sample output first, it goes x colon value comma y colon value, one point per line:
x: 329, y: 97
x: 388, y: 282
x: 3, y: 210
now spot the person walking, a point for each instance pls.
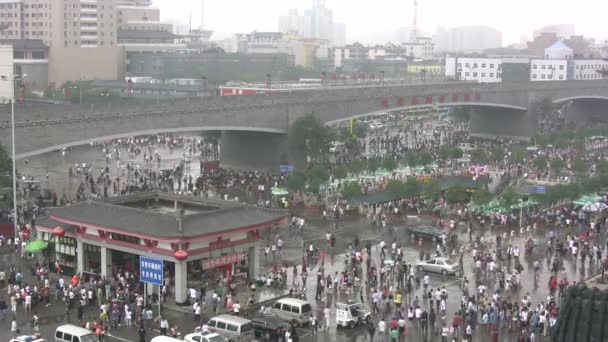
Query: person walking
x: 313, y: 325
x: 14, y: 328
x: 164, y: 325
x: 35, y: 322
x: 326, y: 313
x: 142, y: 333
x: 382, y: 329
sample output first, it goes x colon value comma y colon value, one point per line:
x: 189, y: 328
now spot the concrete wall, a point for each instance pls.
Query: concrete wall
x: 6, y: 70
x: 92, y: 63
x: 501, y: 122
x: 255, y: 150
x: 584, y: 111
x: 37, y: 74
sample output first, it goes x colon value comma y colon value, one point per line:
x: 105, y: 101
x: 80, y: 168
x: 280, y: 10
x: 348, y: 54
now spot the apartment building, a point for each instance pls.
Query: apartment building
x: 482, y: 70
x: 80, y: 35
x: 67, y: 23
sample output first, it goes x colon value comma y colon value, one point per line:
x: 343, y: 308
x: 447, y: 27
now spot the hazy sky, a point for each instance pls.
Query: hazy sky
x: 363, y: 18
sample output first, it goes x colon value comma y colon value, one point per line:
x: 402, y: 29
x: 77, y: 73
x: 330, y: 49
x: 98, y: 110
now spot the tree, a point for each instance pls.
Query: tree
x: 433, y: 189
x: 6, y: 168
x: 509, y: 197
x: 425, y: 158
x: 557, y: 165
x: 309, y: 137
x: 519, y: 154
x: 296, y: 181
x: 356, y: 166
x: 580, y: 167
x: 498, y: 153
x: 351, y: 189
x: 373, y: 164
x: 450, y: 152
x: 602, y: 167
x: 314, y: 185
x: 540, y: 163
x: 396, y: 188
x: 457, y: 194
x: 319, y: 172
x: 340, y: 172
x: 389, y: 164
x: 412, y: 187
x: 411, y: 158
x: 461, y: 113
x: 479, y: 156
x: 482, y: 196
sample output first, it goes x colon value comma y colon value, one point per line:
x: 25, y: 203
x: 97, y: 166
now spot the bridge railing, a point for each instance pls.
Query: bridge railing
x: 49, y: 114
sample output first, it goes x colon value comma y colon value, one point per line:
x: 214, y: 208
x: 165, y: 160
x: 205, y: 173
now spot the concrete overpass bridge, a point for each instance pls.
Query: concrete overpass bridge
x: 254, y: 127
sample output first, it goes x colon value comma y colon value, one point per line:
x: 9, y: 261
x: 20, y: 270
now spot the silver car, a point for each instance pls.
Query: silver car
x: 444, y: 266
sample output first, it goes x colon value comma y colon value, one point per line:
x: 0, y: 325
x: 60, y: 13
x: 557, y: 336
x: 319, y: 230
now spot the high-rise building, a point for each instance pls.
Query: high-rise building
x: 67, y: 23
x: 80, y: 35
x: 468, y: 39
x: 316, y: 22
x: 560, y: 30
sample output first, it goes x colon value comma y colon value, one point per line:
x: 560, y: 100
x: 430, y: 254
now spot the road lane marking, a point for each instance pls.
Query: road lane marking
x: 118, y: 338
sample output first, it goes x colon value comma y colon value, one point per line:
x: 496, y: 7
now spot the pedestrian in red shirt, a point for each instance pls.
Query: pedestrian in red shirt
x: 394, y: 325
x: 456, y: 321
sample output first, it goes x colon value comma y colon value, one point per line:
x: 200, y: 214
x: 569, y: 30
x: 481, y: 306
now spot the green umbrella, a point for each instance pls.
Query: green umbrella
x: 36, y: 246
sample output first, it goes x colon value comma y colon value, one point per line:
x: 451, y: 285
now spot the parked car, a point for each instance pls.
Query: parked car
x: 444, y: 266
x: 293, y: 310
x: 204, y: 337
x: 350, y: 314
x: 425, y: 232
x: 273, y: 327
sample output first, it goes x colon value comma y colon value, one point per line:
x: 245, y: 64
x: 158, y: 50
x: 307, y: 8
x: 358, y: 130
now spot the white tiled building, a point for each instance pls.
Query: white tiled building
x: 548, y: 70
x: 482, y: 70
x: 586, y: 69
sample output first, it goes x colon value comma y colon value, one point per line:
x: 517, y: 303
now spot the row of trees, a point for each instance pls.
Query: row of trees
x: 570, y: 136
x: 573, y: 190
x: 6, y: 168
x: 80, y: 91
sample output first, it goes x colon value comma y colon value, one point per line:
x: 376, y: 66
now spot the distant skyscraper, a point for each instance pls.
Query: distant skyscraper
x: 560, y: 30
x: 467, y: 39
x: 290, y: 22
x: 316, y: 22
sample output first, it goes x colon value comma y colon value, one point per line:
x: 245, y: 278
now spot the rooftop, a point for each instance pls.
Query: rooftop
x: 158, y: 215
x: 25, y: 44
x: 146, y: 34
x: 558, y: 46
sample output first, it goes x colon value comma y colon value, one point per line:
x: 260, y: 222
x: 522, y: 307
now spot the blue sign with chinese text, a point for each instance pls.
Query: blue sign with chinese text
x: 151, y: 271
x: 539, y: 189
x: 286, y: 168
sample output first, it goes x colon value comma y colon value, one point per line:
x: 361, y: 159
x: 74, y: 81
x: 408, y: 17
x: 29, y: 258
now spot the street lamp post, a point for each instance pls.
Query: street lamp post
x: 13, y: 81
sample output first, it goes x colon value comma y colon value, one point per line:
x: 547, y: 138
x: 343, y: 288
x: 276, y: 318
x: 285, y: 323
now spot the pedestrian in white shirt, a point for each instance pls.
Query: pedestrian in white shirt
x: 326, y: 312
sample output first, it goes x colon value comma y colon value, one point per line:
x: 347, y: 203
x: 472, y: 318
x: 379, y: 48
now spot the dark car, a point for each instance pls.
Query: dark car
x: 273, y: 327
x: 425, y: 232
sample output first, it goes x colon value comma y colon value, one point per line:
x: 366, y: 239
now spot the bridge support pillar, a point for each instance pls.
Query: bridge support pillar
x: 491, y: 122
x: 253, y: 150
x: 584, y: 111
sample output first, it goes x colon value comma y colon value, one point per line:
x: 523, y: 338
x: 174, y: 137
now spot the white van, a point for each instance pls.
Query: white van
x: 74, y: 333
x: 233, y: 328
x: 164, y: 339
x: 291, y: 310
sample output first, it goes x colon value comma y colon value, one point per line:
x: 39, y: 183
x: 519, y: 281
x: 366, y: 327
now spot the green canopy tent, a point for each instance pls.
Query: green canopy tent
x: 279, y: 191
x: 587, y: 199
x: 36, y: 246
